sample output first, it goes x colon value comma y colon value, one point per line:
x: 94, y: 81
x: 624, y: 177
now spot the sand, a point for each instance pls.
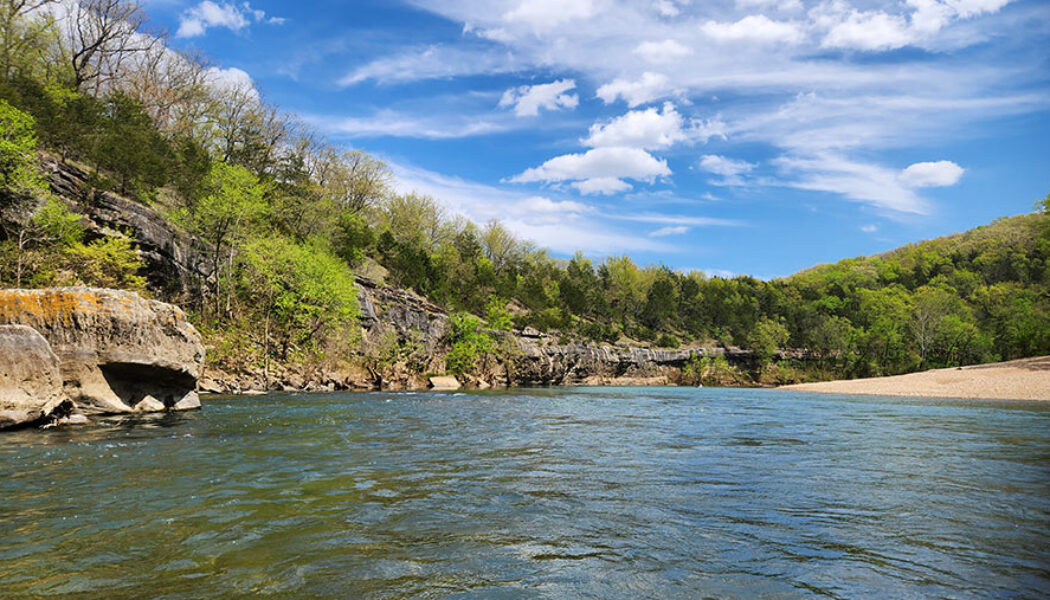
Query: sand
x: 1026, y: 379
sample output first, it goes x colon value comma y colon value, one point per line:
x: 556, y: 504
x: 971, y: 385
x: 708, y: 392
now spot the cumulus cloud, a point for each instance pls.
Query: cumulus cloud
x: 601, y: 185
x: 870, y: 228
x: 755, y: 29
x: 600, y: 170
x: 649, y: 129
x: 932, y: 174
x: 878, y: 30
x: 527, y: 100
x: 651, y: 86
x: 662, y: 52
x: 870, y: 30
x: 196, y: 20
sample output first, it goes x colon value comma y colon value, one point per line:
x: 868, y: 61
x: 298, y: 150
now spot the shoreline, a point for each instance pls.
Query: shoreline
x: 1026, y: 379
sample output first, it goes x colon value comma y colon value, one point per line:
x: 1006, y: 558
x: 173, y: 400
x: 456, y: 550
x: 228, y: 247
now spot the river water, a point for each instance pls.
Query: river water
x: 554, y: 493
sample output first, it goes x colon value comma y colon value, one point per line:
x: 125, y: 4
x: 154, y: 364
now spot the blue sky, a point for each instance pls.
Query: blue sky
x: 746, y: 136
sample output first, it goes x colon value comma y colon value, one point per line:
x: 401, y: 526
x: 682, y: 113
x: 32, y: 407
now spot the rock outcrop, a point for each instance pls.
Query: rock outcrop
x: 30, y: 380
x: 176, y: 262
x: 117, y: 352
x: 581, y: 364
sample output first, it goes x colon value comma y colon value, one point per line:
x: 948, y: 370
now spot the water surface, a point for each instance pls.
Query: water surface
x: 560, y: 493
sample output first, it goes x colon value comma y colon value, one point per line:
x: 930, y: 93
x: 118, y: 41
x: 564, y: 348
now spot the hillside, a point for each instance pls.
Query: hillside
x: 206, y: 196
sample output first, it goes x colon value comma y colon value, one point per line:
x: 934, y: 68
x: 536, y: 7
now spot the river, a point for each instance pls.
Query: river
x: 550, y: 493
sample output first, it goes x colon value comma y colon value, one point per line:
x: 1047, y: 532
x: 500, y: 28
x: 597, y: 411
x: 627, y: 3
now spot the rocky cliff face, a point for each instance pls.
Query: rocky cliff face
x: 117, y: 352
x: 580, y: 364
x: 176, y: 261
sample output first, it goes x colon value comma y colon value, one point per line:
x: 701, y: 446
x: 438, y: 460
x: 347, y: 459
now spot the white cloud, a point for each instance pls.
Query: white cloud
x: 670, y: 230
x: 861, y: 182
x: 601, y: 170
x: 727, y: 167
x: 527, y: 100
x: 871, y: 30
x: 932, y: 174
x: 662, y: 52
x: 602, y: 185
x: 784, y: 5
x: 669, y: 8
x: 758, y: 29
x: 395, y: 124
x: 545, y: 14
x: 869, y: 228
x: 432, y: 62
x: 196, y: 20
x: 232, y: 79
x: 651, y: 86
x: 649, y: 129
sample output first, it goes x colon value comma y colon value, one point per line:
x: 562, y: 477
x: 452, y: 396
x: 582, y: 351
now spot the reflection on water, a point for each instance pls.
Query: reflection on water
x: 572, y: 493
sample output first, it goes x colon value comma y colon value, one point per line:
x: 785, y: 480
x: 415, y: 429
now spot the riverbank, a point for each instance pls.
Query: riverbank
x: 1026, y: 379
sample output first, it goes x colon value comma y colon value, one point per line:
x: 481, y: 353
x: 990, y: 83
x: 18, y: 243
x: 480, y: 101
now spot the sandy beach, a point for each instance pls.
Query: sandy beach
x: 1026, y: 379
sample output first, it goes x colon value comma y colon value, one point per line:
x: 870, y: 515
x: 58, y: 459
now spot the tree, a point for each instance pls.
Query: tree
x: 470, y: 343
x: 931, y: 305
x: 110, y: 262
x: 304, y: 293
x: 766, y: 338
x: 41, y: 238
x: 231, y: 205
x: 20, y: 31
x: 19, y: 168
x: 131, y: 147
x: 101, y: 35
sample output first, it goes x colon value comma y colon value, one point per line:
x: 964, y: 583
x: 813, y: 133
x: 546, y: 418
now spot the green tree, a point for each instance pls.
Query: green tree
x: 305, y: 294
x: 470, y: 343
x: 232, y: 205
x: 766, y: 338
x: 110, y: 262
x: 20, y: 179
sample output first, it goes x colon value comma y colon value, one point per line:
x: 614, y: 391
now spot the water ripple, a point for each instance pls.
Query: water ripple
x: 581, y: 493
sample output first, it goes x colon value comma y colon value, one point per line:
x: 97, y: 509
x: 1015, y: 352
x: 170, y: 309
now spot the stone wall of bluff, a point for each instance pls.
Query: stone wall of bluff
x: 114, y: 351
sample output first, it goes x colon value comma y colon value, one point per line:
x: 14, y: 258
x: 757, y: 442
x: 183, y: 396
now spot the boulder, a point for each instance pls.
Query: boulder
x: 30, y: 380
x: 117, y: 352
x: 445, y: 383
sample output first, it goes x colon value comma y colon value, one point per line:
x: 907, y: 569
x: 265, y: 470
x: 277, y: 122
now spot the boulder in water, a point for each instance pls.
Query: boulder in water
x: 117, y: 352
x: 30, y: 380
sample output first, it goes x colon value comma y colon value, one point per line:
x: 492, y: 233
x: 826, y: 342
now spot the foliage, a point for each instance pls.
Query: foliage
x: 302, y: 292
x: 110, y: 262
x: 766, y: 338
x: 20, y: 178
x: 470, y: 344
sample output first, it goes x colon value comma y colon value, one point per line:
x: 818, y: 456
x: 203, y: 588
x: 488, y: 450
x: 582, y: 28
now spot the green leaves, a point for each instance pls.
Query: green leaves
x: 19, y: 167
x: 470, y: 343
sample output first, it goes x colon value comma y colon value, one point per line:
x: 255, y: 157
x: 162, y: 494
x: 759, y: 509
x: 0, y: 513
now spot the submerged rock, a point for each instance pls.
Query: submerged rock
x: 30, y: 380
x: 117, y: 352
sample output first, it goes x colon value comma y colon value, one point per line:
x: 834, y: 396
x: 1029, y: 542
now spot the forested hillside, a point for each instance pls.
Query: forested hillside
x: 287, y: 218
